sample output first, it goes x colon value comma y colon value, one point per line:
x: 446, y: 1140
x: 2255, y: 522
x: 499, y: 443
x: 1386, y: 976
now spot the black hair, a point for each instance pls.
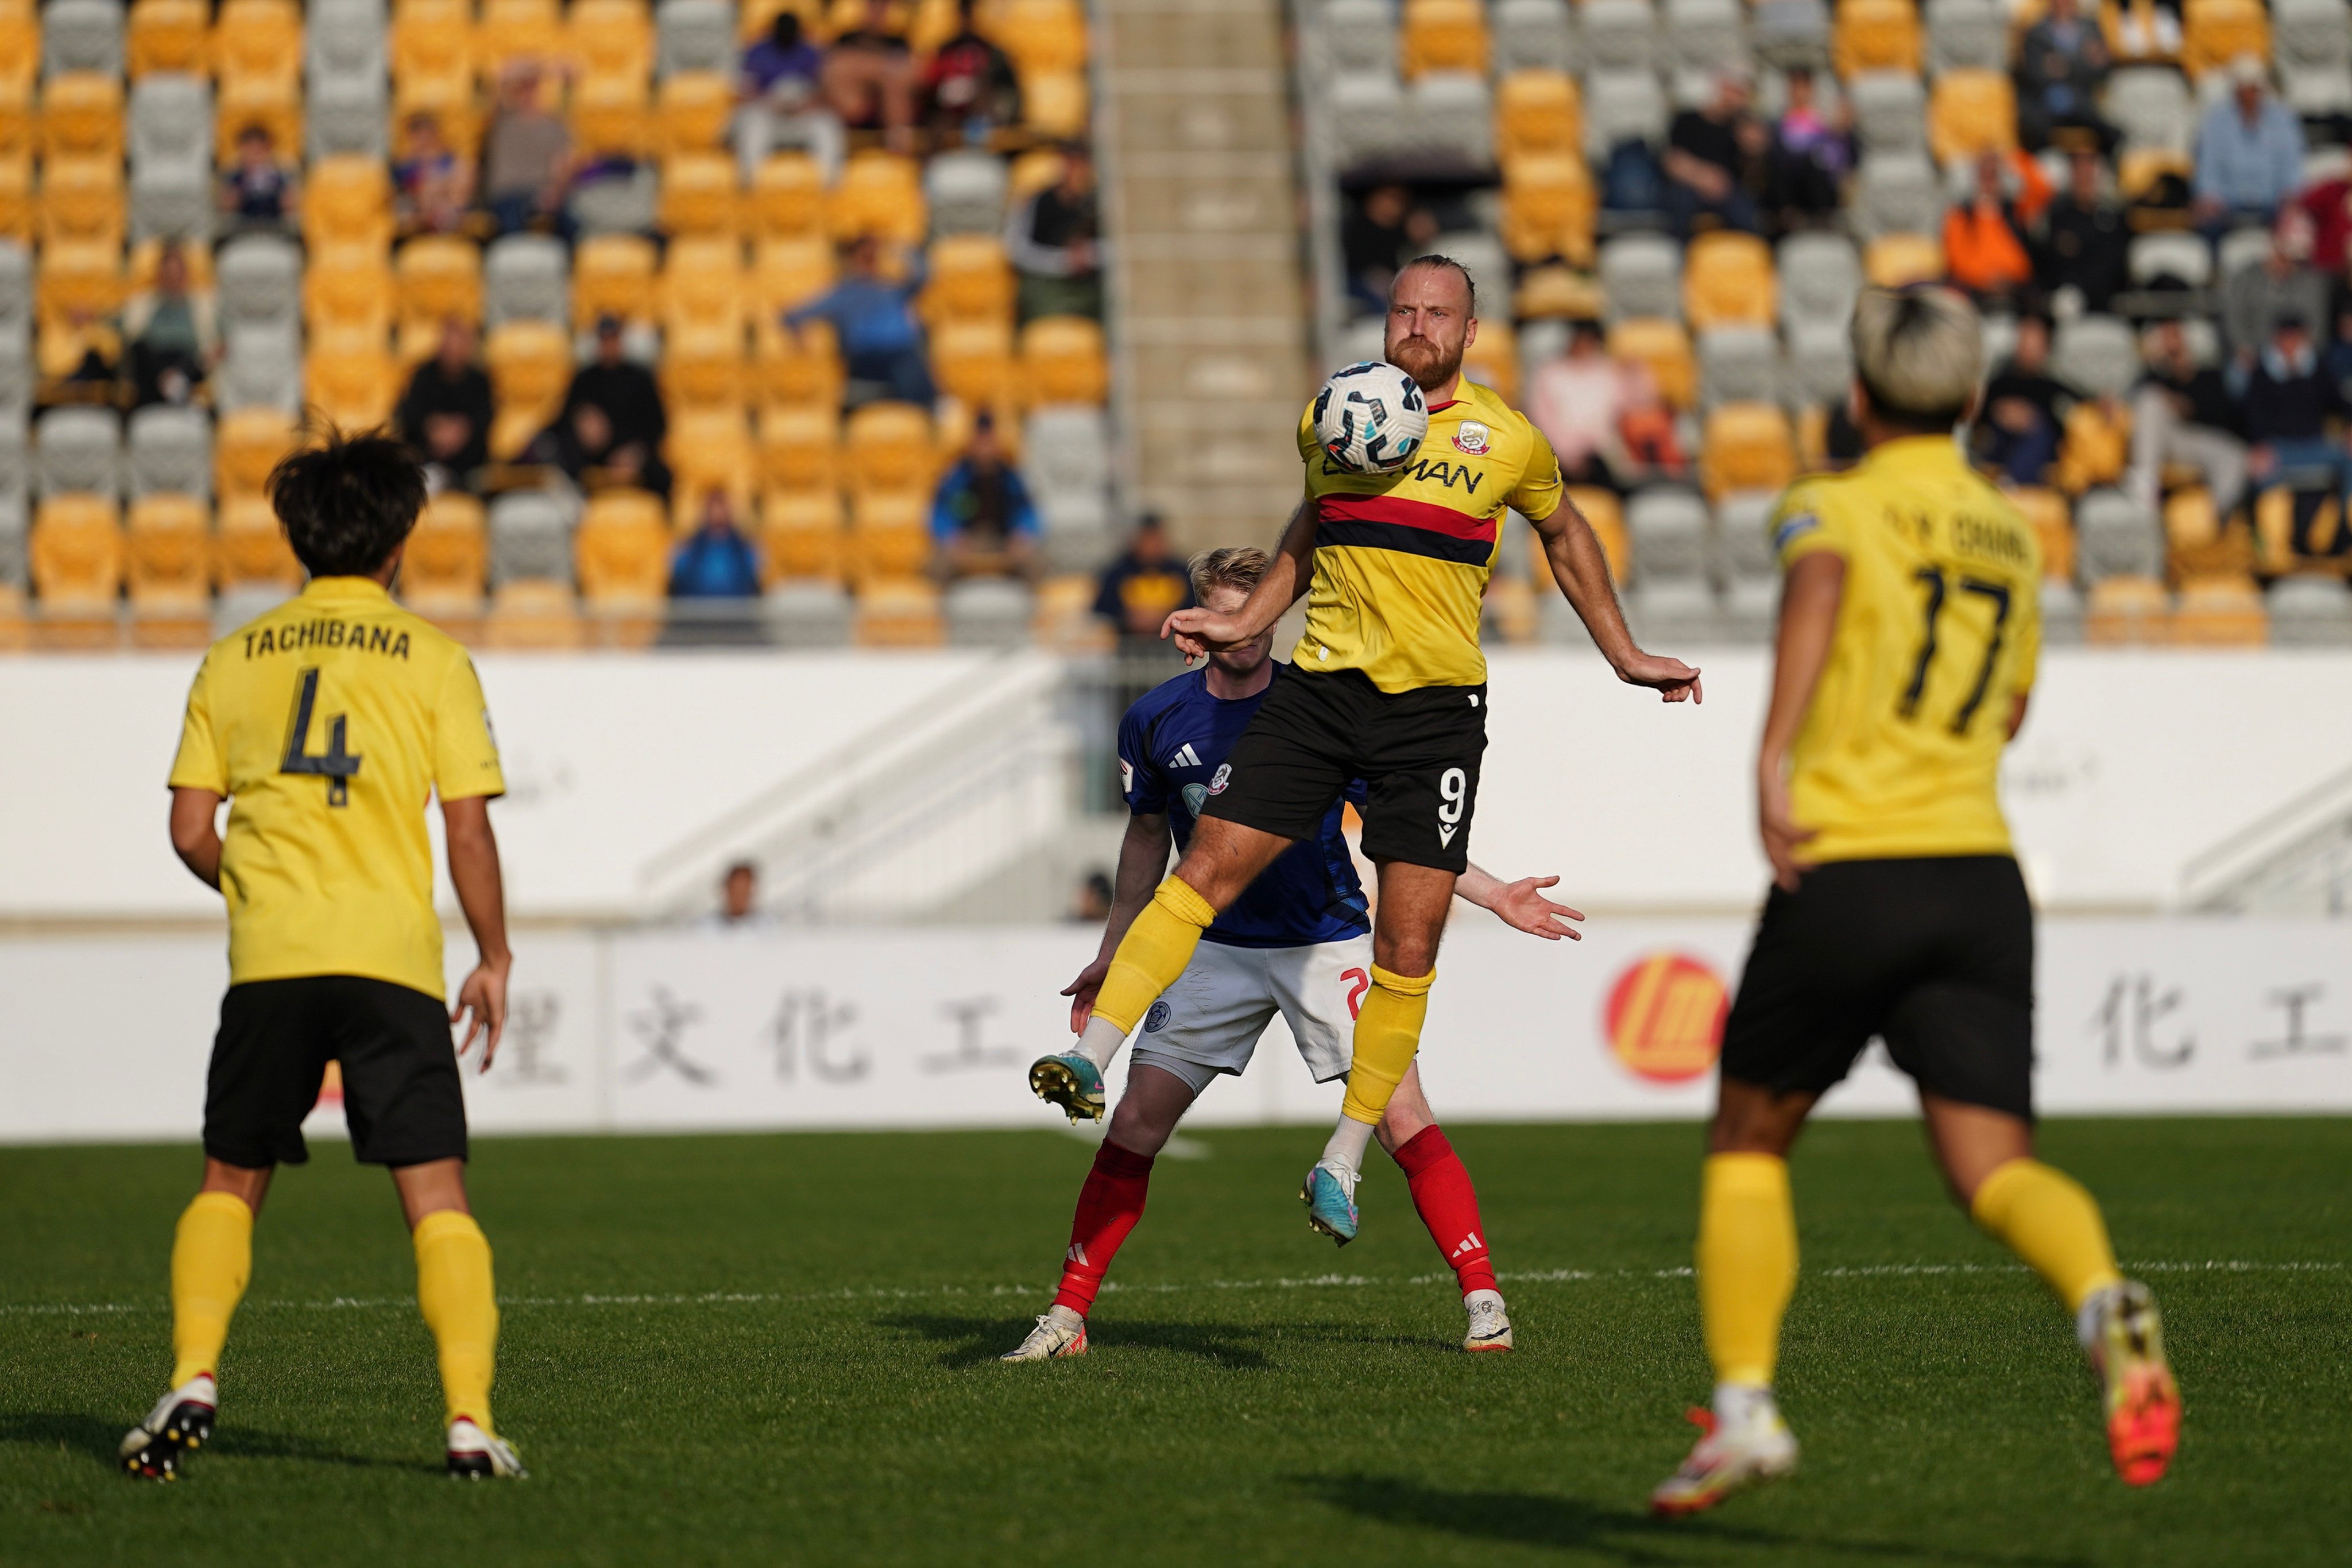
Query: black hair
x: 346, y: 504
x: 784, y: 30
x: 1469, y: 283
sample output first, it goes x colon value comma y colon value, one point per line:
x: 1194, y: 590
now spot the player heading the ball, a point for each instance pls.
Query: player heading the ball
x: 1389, y: 688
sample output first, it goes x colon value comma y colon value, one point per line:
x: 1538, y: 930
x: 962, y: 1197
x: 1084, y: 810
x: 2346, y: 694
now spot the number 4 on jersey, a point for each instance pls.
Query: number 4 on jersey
x: 337, y: 765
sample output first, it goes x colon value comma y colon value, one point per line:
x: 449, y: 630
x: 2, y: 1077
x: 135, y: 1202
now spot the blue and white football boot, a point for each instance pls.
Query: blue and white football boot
x: 1330, y: 1198
x: 1071, y: 1081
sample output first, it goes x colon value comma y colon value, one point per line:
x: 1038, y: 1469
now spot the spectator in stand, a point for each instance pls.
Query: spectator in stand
x: 1090, y: 900
x: 581, y: 443
x: 716, y: 561
x: 526, y: 155
x: 1144, y: 586
x: 625, y: 389
x: 2249, y: 153
x: 739, y: 901
x: 445, y: 416
x: 258, y: 195
x: 431, y: 186
x: 1053, y: 241
x: 1715, y: 160
x: 1812, y: 153
x: 970, y: 89
x: 1375, y: 234
x: 2147, y: 31
x: 982, y: 523
x: 2183, y: 414
x: 874, y: 319
x: 869, y: 78
x: 777, y: 89
x: 172, y: 334
x: 1579, y: 400
x: 2025, y: 408
x: 2283, y: 283
x: 2328, y: 206
x: 2086, y: 239
x: 2294, y: 412
x: 1984, y: 238
x: 2062, y: 63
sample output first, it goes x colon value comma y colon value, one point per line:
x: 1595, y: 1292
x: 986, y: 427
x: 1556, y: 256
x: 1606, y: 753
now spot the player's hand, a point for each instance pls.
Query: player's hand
x: 1202, y: 632
x: 1782, y: 837
x: 1522, y: 905
x: 1083, y: 990
x: 484, y: 995
x: 1673, y: 680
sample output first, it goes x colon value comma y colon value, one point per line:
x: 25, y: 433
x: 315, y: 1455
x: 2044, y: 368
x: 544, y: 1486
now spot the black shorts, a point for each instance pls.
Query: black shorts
x: 1933, y: 954
x: 401, y: 1094
x: 1417, y: 753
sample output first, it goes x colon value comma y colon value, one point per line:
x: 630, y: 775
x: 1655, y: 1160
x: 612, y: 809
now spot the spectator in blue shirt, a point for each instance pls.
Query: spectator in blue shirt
x: 717, y: 562
x: 777, y: 85
x: 874, y: 318
x: 982, y: 523
x: 2249, y: 153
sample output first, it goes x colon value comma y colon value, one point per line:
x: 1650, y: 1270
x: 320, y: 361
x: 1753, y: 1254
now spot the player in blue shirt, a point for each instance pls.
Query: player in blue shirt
x: 1299, y: 942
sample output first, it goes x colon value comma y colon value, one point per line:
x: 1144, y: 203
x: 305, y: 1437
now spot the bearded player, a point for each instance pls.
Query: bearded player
x: 1389, y: 688
x: 1297, y: 943
x: 1910, y: 624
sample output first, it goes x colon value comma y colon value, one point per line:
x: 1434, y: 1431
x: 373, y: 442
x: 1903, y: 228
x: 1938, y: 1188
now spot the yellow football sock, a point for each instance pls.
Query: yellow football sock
x: 1747, y: 1262
x: 212, y: 1258
x: 453, y: 1288
x: 1387, y: 1033
x: 2043, y: 1216
x: 1153, y: 953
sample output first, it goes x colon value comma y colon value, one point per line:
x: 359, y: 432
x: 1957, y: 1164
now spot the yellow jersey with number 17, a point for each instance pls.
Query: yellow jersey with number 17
x: 1402, y: 559
x: 328, y: 723
x: 1937, y: 634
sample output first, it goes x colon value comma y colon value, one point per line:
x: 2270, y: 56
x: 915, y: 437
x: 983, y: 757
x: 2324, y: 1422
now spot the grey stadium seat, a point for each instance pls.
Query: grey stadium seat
x: 1642, y: 275
x: 259, y: 281
x: 16, y: 380
x: 170, y: 452
x: 170, y: 121
x: 1820, y: 274
x: 1963, y: 33
x: 15, y: 459
x: 2241, y: 248
x: 2096, y: 353
x: 1623, y: 106
x: 78, y: 449
x: 1533, y: 35
x: 15, y: 285
x: 1356, y: 36
x: 2062, y: 614
x: 2115, y: 538
x: 807, y: 615
x: 171, y: 200
x: 1484, y: 257
x: 1067, y: 459
x: 1738, y: 364
x: 526, y: 278
x: 82, y: 35
x: 1744, y: 562
x: 1897, y: 192
x: 345, y: 41
x: 2150, y: 105
x: 2310, y: 612
x: 347, y: 115
x: 1672, y: 596
x: 694, y: 36
x: 1890, y: 111
x: 13, y: 541
x: 261, y: 367
x: 1453, y: 116
x: 1366, y: 112
x: 1703, y: 36
x: 1620, y: 35
x: 529, y: 538
x: 2311, y: 44
x: 988, y: 612
x: 966, y: 193
x: 1820, y: 366
x: 619, y: 203
x: 2177, y: 254
x: 1791, y: 35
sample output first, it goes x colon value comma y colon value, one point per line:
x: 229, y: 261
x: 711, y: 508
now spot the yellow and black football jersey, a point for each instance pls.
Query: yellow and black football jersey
x: 328, y: 723
x: 1938, y: 633
x: 1401, y: 559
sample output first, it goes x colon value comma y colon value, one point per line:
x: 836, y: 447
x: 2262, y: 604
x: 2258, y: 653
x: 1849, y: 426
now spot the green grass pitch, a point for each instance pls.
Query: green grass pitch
x: 781, y: 1349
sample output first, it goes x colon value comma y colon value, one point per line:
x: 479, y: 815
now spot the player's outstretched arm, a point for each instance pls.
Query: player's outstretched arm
x: 481, y: 893
x: 1199, y: 630
x: 1808, y: 610
x: 1521, y: 904
x: 1582, y: 570
x: 1142, y: 863
x: 194, y: 836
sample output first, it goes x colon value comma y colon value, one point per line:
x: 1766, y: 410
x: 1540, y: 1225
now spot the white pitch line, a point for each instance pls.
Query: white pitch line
x: 1306, y: 1283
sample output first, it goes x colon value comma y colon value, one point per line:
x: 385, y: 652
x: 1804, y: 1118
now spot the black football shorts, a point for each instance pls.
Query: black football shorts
x: 1417, y: 753
x: 1933, y: 954
x: 401, y: 1094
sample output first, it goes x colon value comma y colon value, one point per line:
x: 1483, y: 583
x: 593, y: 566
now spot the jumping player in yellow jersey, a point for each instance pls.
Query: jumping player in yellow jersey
x: 327, y: 724
x: 1389, y: 687
x: 1909, y: 628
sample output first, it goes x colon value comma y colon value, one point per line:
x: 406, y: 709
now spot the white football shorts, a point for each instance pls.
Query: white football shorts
x: 1208, y: 1021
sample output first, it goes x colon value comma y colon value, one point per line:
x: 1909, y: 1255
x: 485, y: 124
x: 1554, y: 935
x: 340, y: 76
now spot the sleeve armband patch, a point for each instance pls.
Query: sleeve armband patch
x: 1792, y: 529
x: 1126, y: 777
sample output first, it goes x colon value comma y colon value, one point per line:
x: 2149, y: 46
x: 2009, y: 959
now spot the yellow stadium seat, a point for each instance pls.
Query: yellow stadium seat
x: 1896, y: 261
x: 273, y: 103
x: 788, y: 197
x: 612, y: 38
x: 702, y: 283
x: 620, y: 551
x: 1062, y: 360
x: 1665, y: 349
x: 972, y: 360
x: 691, y: 110
x: 970, y: 280
x: 17, y: 197
x: 801, y: 536
x: 709, y: 448
x: 76, y: 553
x: 246, y: 445
x: 258, y: 40
x: 2215, y: 32
x: 1971, y: 111
x: 436, y: 277
x: 704, y: 362
x: 611, y: 117
x: 169, y: 574
x: 1728, y: 281
x: 448, y: 102
x: 78, y: 280
x: 530, y: 364
x: 1876, y: 35
x: 531, y: 615
x: 889, y: 446
x: 448, y: 561
x: 899, y: 612
x: 613, y: 275
x: 432, y: 38
x: 1041, y: 34
x: 2092, y: 448
x: 1549, y: 208
x: 1747, y: 447
x: 1031, y: 172
x: 698, y: 193
x: 2137, y: 168
x: 799, y: 367
x: 2054, y: 525
x: 1607, y: 515
x: 509, y: 31
x: 250, y: 550
x: 2221, y: 610
x: 81, y: 111
x: 880, y: 194
x: 168, y: 36
x: 1443, y: 36
x: 799, y: 446
x: 889, y: 534
x: 1493, y: 359
x: 790, y: 271
x: 1054, y: 104
x: 82, y: 198
x: 351, y: 376
x: 753, y: 17
x: 2128, y: 612
x: 347, y: 199
x: 349, y: 287
x: 20, y: 43
x: 1065, y: 621
x: 17, y: 122
x: 1539, y: 111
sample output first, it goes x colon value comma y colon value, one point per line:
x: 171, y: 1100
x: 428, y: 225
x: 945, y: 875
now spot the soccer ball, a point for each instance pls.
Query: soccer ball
x: 1369, y: 418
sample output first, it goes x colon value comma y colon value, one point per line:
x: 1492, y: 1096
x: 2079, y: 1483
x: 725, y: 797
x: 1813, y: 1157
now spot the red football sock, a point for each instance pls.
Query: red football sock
x: 1109, y: 1206
x: 1449, y: 1206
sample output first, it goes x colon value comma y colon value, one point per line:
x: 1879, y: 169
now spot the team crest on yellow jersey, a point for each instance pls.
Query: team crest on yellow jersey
x: 1471, y: 438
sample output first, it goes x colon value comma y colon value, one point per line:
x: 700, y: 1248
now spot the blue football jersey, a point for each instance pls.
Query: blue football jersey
x: 1170, y: 744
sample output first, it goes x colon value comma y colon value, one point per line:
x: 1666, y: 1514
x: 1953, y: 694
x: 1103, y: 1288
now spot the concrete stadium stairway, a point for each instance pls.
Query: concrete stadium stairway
x: 1201, y: 195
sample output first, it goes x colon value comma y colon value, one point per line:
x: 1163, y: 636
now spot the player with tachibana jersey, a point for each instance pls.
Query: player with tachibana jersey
x: 328, y: 725
x: 1389, y: 688
x: 1909, y: 630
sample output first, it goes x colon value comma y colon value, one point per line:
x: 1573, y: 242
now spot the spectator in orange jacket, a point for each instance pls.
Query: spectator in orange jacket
x: 1984, y: 239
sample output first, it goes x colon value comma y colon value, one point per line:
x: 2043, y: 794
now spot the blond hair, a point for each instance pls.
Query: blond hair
x: 1234, y: 566
x: 1918, y: 354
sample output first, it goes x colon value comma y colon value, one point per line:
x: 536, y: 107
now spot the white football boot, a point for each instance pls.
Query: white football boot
x: 1490, y: 1325
x: 1734, y: 1454
x: 180, y: 1423
x: 1059, y: 1332
x: 474, y: 1453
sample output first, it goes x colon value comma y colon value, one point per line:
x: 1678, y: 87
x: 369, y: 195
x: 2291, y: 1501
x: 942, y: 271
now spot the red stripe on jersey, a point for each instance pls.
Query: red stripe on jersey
x: 1409, y: 514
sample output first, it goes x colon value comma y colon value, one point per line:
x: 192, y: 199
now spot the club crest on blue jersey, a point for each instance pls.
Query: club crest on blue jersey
x: 1195, y: 796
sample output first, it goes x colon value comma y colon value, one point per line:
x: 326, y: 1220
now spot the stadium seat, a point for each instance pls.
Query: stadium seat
x: 448, y: 561
x: 246, y: 445
x: 2312, y: 44
x: 75, y: 556
x: 988, y: 612
x: 888, y: 446
x: 2096, y: 353
x: 1971, y: 111
x: 167, y: 35
x: 1877, y: 35
x: 437, y: 277
x: 968, y: 280
x: 2152, y: 107
x: 1533, y: 35
x: 529, y: 537
x: 789, y: 271
x: 1606, y: 514
x: 801, y: 536
x: 1454, y: 115
x: 249, y: 550
x: 611, y: 118
x: 168, y: 561
x: 349, y: 376
x: 82, y: 113
x: 1054, y: 104
x: 1819, y: 275
x: 889, y: 534
x: 2299, y: 532
x: 1665, y: 349
x: 258, y: 280
x: 350, y: 288
x: 432, y: 41
x: 19, y: 122
x: 1704, y: 36
x: 965, y: 190
x: 1791, y: 35
x: 880, y: 194
x: 620, y: 551
x: 1738, y: 364
x: 529, y: 362
x: 899, y: 612
x: 698, y: 35
x: 1668, y: 530
x: 1890, y: 111
x: 1898, y: 261
x: 794, y: 367
x: 347, y: 199
x: 1492, y: 360
x: 81, y: 36
x: 533, y: 615
x: 2128, y: 612
x: 1966, y: 35
x: 1620, y: 35
x: 83, y: 199
x: 788, y: 197
x: 347, y: 117
x: 169, y: 450
x: 972, y: 358
x: 2052, y: 521
x: 613, y: 275
x: 2310, y: 609
x: 2215, y: 32
x: 1549, y: 208
x: 1357, y: 35
x: 1063, y: 361
x: 273, y: 105
x: 526, y: 278
x: 78, y: 449
x: 1538, y: 112
x: 1746, y: 446
x: 799, y: 445
x: 702, y: 284
x: 16, y: 198
x: 698, y: 193
x: 710, y: 448
x: 258, y: 40
x: 1641, y: 276
x: 2222, y: 610
x: 509, y: 31
x: 691, y: 110
x: 20, y: 44
x: 1728, y: 281
x: 612, y: 39
x: 1441, y: 35
x: 1041, y: 34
